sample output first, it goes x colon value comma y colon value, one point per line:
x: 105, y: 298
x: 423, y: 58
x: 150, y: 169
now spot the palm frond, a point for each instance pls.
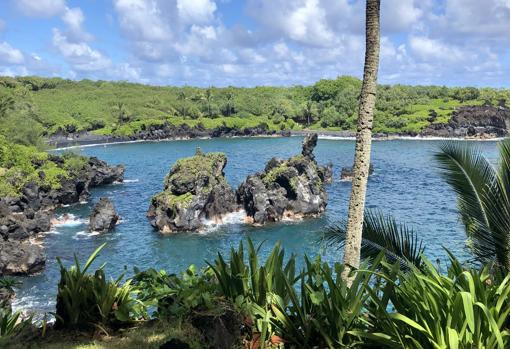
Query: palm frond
x: 482, y: 200
x: 381, y: 233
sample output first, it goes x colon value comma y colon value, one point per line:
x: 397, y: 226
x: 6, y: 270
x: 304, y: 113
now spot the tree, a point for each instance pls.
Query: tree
x: 7, y: 104
x: 363, y: 141
x: 208, y: 98
x: 229, y: 104
x: 121, y: 113
x: 182, y: 107
x: 309, y: 111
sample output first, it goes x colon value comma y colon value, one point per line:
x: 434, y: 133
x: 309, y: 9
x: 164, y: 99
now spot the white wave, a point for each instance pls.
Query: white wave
x: 84, y: 202
x: 131, y: 180
x: 229, y: 218
x: 52, y: 232
x: 68, y: 220
x: 82, y: 235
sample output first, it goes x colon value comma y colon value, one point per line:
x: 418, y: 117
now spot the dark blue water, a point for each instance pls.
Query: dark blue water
x: 406, y: 184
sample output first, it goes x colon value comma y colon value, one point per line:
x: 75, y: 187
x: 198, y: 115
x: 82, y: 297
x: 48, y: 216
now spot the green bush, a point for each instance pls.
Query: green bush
x: 87, y: 300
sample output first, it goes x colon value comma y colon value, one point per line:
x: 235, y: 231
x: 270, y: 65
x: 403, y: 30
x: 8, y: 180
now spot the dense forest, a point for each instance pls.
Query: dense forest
x: 31, y: 107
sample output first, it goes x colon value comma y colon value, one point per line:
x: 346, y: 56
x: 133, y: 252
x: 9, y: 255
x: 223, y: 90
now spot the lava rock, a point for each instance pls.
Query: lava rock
x: 286, y: 189
x: 20, y: 257
x: 485, y: 121
x: 195, y: 190
x: 103, y: 217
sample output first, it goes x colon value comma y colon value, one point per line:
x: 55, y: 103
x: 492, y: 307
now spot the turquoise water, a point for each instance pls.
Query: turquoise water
x: 406, y: 183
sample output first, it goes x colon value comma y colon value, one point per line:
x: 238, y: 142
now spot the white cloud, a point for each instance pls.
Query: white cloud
x: 196, y: 11
x: 10, y: 55
x: 142, y: 19
x: 434, y: 50
x: 41, y: 8
x: 74, y: 18
x: 80, y: 55
x: 400, y: 15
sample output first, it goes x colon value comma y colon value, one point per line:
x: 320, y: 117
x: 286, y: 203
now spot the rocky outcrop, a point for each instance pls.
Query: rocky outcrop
x: 195, y: 190
x: 103, y: 216
x: 484, y: 121
x: 347, y: 173
x: 292, y: 188
x: 23, y: 217
x: 20, y: 257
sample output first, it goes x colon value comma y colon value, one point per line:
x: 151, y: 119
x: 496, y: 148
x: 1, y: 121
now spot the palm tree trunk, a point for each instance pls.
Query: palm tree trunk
x: 363, y: 142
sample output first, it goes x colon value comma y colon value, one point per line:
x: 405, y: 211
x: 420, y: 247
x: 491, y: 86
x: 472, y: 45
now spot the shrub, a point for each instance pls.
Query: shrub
x: 86, y: 300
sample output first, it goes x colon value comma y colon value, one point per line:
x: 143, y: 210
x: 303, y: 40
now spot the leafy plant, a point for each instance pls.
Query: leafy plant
x: 483, y: 194
x: 382, y: 234
x: 467, y: 308
x: 11, y: 323
x: 85, y: 300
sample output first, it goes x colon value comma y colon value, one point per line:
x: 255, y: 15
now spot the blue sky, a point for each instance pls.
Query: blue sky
x: 254, y: 42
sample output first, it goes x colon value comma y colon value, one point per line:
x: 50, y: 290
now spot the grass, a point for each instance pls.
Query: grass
x: 150, y: 335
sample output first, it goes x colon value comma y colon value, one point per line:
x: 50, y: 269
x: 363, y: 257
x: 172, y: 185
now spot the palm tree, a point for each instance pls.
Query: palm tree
x: 6, y: 104
x: 230, y: 102
x: 363, y: 142
x: 208, y: 98
x: 483, y: 193
x: 309, y: 111
x: 382, y: 233
x: 120, y: 111
x: 181, y: 97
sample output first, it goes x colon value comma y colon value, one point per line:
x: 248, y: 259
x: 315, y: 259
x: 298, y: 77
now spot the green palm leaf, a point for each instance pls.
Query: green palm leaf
x: 482, y: 193
x: 381, y: 233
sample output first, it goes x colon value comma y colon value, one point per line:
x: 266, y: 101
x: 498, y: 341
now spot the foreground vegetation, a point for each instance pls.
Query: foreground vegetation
x: 245, y: 300
x: 33, y: 106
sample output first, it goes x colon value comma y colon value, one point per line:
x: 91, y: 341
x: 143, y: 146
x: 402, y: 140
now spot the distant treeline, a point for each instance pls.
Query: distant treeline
x: 31, y: 107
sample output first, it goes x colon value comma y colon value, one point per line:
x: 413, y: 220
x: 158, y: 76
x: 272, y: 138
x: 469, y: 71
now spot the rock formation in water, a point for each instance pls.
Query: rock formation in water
x: 23, y: 217
x: 347, y: 173
x: 292, y: 188
x: 103, y: 216
x: 195, y: 190
x: 484, y: 121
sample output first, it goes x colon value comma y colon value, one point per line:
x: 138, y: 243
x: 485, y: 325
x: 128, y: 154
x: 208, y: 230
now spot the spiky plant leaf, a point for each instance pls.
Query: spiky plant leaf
x: 381, y: 233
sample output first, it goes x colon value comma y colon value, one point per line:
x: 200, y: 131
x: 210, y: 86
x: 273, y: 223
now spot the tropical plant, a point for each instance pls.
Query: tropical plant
x: 174, y: 295
x: 6, y: 105
x: 11, y: 323
x: 363, y: 141
x: 483, y: 194
x: 86, y: 300
x: 382, y: 233
x: 325, y: 311
x: 9, y: 284
x: 467, y: 308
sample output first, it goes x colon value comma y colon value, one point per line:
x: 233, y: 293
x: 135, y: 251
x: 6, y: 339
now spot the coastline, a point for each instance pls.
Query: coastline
x: 91, y: 140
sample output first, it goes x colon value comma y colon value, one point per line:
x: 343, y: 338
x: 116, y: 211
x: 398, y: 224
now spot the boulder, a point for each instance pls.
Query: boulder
x: 347, y: 173
x: 292, y: 188
x: 103, y: 216
x: 195, y: 190
x: 20, y: 257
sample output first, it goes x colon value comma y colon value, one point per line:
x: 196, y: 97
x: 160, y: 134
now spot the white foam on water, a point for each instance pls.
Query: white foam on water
x: 68, y: 220
x: 230, y: 218
x: 83, y: 235
x: 131, y: 180
x: 52, y: 232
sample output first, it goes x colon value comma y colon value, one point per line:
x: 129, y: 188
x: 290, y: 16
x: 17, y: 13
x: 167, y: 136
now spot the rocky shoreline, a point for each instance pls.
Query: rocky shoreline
x: 471, y: 123
x: 23, y: 218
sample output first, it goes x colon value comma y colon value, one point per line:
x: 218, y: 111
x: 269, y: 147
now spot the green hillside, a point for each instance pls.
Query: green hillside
x: 34, y: 106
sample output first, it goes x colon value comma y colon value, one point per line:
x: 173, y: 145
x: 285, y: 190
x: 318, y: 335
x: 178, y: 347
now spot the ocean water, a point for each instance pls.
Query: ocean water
x: 406, y: 183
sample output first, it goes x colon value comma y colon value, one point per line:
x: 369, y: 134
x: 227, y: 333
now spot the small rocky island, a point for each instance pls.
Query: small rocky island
x: 286, y: 189
x: 196, y: 190
x: 103, y: 217
x: 23, y: 217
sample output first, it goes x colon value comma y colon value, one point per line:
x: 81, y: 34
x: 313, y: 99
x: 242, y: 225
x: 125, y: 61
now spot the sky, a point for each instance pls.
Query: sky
x: 255, y: 42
